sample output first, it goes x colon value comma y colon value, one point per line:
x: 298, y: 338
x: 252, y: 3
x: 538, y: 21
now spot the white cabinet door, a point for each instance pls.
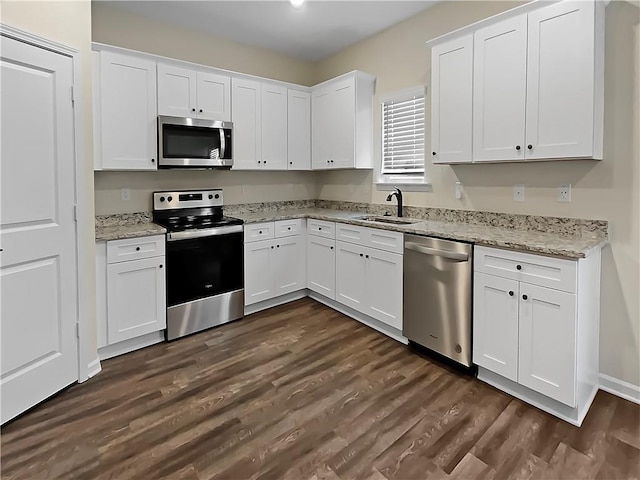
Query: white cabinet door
x: 499, y: 90
x: 246, y: 108
x: 258, y: 274
x: 547, y: 342
x: 321, y: 265
x: 136, y: 302
x: 495, y: 324
x: 274, y: 127
x: 289, y: 265
x: 451, y: 101
x: 213, y: 96
x: 384, y: 286
x: 128, y: 108
x: 351, y: 276
x: 299, y: 130
x: 342, y: 120
x: 560, y: 81
x: 176, y: 91
x: 321, y: 129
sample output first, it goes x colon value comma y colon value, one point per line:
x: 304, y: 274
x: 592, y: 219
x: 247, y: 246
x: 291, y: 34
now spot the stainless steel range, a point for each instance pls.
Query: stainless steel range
x: 205, y: 260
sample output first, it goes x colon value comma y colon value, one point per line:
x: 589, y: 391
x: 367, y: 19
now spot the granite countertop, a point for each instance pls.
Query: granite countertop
x: 569, y: 240
x: 554, y: 244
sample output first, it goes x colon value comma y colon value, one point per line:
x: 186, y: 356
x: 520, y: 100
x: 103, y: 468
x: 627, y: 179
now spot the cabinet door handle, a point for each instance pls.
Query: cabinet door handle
x: 524, y: 297
x: 518, y: 147
x: 518, y: 267
x: 511, y: 293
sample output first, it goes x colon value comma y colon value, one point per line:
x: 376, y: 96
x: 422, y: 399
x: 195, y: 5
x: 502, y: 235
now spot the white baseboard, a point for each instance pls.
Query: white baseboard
x: 620, y: 388
x: 130, y: 345
x: 94, y: 368
x: 274, y: 302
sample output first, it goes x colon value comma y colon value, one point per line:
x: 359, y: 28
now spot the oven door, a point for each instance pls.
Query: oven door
x: 204, y: 266
x: 192, y: 142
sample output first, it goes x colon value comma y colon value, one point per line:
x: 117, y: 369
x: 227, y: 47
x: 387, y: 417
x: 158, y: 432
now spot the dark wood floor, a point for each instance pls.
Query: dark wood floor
x: 302, y: 392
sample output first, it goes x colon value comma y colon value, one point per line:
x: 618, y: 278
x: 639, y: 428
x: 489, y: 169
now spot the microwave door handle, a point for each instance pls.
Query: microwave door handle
x: 222, y: 143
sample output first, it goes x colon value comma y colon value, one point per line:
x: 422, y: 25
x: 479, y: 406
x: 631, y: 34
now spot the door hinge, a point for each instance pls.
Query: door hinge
x: 75, y: 213
x: 77, y: 330
x: 73, y: 98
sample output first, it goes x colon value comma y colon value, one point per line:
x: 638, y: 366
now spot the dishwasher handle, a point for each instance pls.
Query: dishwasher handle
x: 463, y: 257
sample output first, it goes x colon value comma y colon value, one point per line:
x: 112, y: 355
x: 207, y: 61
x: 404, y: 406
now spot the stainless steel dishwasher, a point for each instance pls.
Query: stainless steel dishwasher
x: 437, y: 295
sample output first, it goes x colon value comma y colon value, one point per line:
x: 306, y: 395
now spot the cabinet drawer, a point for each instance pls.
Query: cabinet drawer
x: 557, y: 273
x: 321, y: 228
x: 384, y: 240
x: 258, y: 231
x: 350, y: 233
x: 135, y: 248
x: 287, y: 228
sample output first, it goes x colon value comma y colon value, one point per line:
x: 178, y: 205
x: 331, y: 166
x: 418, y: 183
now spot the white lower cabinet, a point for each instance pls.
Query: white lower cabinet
x: 351, y: 274
x: 542, y: 342
x: 131, y: 293
x: 321, y: 265
x: 274, y: 266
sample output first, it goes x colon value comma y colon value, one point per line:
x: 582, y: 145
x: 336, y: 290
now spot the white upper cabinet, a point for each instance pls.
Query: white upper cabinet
x: 274, y: 127
x: 564, y: 86
x: 538, y: 78
x: 451, y: 100
x: 184, y: 92
x: 127, y: 112
x: 299, y: 130
x: 247, y: 123
x: 342, y: 122
x: 499, y: 90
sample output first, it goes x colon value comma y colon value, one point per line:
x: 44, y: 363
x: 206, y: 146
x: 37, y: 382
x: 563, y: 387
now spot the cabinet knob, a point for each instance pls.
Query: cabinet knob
x: 193, y: 109
x: 331, y: 248
x: 160, y: 266
x: 319, y: 228
x: 518, y: 147
x: 288, y: 228
x: 524, y: 297
x: 260, y: 232
x: 362, y: 254
x: 290, y: 163
x: 511, y: 293
x: 366, y: 256
x: 200, y: 110
x: 278, y: 246
x: 259, y: 161
x: 153, y: 160
x: 264, y: 161
x: 433, y: 153
x: 271, y: 247
x: 137, y: 249
x: 530, y: 147
x: 518, y: 267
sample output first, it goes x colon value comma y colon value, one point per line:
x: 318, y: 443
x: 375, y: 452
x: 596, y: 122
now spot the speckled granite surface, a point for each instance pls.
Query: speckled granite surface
x: 565, y: 237
x: 126, y: 225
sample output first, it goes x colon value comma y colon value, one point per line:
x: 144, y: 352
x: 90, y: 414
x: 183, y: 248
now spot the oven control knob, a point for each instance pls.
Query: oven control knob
x: 217, y: 196
x: 169, y: 199
x: 162, y: 199
x: 210, y: 196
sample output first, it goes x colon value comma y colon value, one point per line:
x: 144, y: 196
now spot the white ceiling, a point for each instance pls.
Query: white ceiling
x: 317, y: 30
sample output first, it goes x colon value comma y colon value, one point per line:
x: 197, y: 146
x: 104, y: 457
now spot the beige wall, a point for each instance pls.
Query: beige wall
x: 69, y: 23
x: 128, y: 30
x: 607, y: 189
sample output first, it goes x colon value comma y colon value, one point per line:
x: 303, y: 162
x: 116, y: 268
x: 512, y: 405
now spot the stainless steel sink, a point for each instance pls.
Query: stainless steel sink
x: 394, y: 221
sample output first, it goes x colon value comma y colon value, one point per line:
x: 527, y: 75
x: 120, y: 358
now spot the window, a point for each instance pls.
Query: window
x: 403, y: 136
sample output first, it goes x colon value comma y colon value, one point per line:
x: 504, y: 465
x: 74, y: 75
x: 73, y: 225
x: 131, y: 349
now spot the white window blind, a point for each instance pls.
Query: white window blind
x: 403, y: 134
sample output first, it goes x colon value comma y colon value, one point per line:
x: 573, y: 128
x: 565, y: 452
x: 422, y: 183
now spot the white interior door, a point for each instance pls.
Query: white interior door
x: 37, y: 229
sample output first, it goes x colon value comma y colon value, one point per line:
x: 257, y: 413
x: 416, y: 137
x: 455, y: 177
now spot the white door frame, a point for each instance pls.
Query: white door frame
x: 88, y: 362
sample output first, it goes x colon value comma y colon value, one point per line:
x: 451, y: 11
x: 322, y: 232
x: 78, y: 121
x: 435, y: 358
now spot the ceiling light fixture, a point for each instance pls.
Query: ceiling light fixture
x: 297, y: 3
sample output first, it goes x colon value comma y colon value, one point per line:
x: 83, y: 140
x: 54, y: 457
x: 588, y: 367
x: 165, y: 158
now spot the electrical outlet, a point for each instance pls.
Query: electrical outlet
x: 518, y: 193
x: 459, y: 190
x: 564, y: 192
x: 125, y: 194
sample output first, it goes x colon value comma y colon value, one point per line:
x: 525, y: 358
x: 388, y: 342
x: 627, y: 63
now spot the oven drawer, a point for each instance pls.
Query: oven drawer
x: 135, y: 248
x: 258, y: 231
x: 288, y: 228
x: 321, y: 228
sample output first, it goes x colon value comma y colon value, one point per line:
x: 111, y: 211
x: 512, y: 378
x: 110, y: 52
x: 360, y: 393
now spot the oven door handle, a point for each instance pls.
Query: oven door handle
x: 204, y: 232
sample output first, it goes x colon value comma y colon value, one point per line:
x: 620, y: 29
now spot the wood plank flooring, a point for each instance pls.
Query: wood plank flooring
x: 302, y: 392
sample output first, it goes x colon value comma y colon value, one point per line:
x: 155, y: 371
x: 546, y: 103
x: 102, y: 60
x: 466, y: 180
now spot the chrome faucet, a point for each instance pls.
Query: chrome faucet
x: 398, y: 195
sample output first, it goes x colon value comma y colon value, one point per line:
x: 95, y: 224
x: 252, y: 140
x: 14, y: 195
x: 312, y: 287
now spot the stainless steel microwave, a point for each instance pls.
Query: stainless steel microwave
x: 194, y: 143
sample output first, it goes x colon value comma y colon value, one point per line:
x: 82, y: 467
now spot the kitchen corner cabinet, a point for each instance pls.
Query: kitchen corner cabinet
x: 126, y: 112
x: 183, y: 92
x: 274, y: 259
x: 537, y: 86
x: 131, y: 292
x: 342, y: 122
x: 299, y: 130
x: 536, y: 326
